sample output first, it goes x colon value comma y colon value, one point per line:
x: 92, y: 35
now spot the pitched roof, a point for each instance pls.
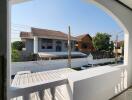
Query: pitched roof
x: 119, y: 43
x: 50, y: 34
x: 26, y: 35
x: 82, y: 36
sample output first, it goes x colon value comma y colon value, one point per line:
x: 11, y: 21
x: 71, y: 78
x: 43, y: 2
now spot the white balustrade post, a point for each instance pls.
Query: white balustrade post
x: 26, y: 97
x: 41, y: 94
x: 52, y: 90
x: 35, y: 47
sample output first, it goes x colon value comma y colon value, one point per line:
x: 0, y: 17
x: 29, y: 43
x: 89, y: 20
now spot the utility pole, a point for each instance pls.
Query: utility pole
x: 116, y: 49
x: 69, y: 47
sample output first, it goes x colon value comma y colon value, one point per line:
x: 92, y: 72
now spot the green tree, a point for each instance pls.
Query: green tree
x: 18, y: 45
x: 111, y: 46
x: 15, y: 55
x: 102, y: 42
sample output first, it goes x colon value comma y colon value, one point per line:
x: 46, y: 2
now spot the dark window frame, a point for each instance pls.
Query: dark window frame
x: 46, y: 43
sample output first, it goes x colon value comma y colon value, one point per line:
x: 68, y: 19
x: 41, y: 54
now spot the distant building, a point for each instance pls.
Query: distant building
x: 84, y: 43
x: 48, y: 43
x: 119, y: 46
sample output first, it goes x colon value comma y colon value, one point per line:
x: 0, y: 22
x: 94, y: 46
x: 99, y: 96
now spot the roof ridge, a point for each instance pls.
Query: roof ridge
x: 83, y: 35
x: 48, y: 33
x: 47, y: 30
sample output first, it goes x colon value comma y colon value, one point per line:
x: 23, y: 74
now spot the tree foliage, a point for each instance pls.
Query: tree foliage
x: 102, y: 42
x: 18, y: 45
x: 16, y: 50
x: 15, y: 55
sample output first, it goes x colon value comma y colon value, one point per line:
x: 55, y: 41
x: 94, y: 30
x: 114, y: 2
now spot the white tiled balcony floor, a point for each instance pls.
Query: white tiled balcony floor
x: 27, y: 80
x: 127, y: 95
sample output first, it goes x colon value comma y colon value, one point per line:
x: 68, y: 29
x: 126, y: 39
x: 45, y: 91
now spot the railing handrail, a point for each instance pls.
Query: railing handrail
x: 16, y: 91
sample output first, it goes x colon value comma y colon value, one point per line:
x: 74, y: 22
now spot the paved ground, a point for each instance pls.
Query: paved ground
x: 127, y: 95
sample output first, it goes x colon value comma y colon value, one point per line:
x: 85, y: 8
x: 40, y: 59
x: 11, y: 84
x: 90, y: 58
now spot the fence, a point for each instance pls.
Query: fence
x: 43, y: 65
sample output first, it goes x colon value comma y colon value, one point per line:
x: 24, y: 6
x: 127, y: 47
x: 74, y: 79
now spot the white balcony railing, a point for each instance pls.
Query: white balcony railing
x: 83, y: 84
x: 47, y: 85
x: 39, y: 90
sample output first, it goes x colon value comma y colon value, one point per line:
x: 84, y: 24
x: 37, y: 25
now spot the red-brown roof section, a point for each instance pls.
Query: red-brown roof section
x: 82, y: 36
x: 26, y: 34
x: 45, y: 33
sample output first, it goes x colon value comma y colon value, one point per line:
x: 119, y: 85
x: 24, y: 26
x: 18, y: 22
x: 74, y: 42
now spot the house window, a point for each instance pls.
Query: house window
x: 49, y: 47
x: 58, y: 42
x: 84, y: 45
x: 43, y: 47
x: 58, y: 48
x: 46, y: 44
x: 58, y: 45
x: 66, y: 45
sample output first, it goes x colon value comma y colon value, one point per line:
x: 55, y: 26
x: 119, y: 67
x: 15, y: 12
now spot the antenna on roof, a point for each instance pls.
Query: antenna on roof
x: 69, y: 47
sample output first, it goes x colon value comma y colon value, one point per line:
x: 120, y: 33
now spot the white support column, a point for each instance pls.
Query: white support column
x: 35, y: 47
x: 4, y: 48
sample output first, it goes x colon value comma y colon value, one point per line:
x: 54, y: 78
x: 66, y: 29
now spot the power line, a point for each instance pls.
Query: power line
x: 16, y: 30
x: 20, y: 25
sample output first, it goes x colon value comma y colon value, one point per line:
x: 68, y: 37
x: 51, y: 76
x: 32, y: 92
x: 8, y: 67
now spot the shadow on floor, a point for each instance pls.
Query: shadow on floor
x: 127, y: 95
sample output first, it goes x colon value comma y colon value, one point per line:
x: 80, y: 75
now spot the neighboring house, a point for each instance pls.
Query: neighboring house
x: 48, y: 40
x: 119, y: 48
x: 84, y: 43
x: 45, y: 41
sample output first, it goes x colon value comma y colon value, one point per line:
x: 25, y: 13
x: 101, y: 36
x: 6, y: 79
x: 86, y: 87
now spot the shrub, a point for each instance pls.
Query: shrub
x: 18, y: 45
x: 15, y: 55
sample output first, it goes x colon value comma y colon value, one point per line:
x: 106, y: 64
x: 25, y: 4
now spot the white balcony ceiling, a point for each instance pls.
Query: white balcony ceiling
x: 127, y: 2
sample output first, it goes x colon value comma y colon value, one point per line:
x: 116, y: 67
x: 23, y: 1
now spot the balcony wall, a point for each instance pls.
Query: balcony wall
x: 100, y: 83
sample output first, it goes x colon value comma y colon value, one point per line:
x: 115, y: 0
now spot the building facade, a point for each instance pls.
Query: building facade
x: 46, y: 40
x: 119, y: 48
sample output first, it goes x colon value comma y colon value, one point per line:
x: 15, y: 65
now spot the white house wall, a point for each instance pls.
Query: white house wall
x: 64, y: 49
x: 37, y: 66
x: 29, y: 45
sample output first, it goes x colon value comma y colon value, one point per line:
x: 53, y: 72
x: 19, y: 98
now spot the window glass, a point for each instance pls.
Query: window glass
x: 58, y: 42
x: 46, y: 44
x: 84, y: 45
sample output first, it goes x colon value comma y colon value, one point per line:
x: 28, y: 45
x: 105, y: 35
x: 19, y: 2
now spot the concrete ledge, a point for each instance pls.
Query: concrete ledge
x: 95, y: 83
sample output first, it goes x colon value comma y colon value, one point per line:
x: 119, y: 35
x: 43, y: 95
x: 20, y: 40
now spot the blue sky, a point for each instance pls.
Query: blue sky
x: 83, y: 17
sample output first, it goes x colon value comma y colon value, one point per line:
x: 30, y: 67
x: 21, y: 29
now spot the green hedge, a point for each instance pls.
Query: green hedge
x: 15, y: 55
